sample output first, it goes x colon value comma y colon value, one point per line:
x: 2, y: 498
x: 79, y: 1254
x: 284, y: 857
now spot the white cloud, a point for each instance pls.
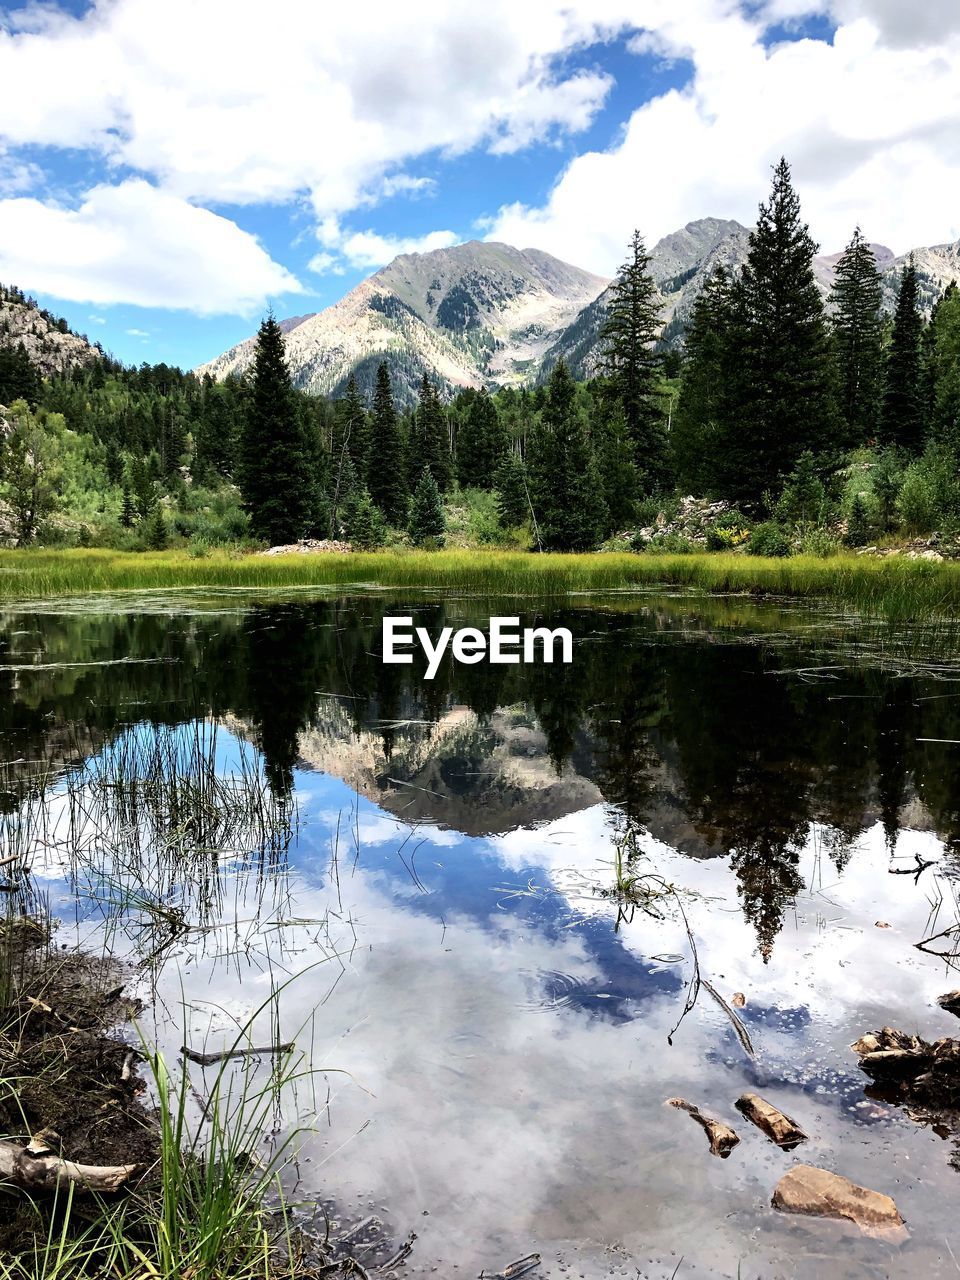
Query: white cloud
x: 17, y: 175
x: 137, y: 333
x: 133, y: 243
x: 218, y: 104
x: 870, y: 123
x: 367, y: 250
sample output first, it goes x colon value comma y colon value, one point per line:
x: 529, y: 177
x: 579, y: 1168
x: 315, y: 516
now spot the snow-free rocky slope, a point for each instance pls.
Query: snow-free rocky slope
x: 477, y: 314
x: 486, y: 314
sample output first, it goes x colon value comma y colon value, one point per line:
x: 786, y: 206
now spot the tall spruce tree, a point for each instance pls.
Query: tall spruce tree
x: 568, y: 499
x: 631, y: 363
x: 482, y: 443
x: 942, y: 369
x: 902, y: 416
x: 703, y: 387
x: 387, y: 473
x: 429, y: 440
x: 780, y: 372
x: 351, y: 430
x: 858, y: 335
x: 512, y: 485
x: 275, y: 481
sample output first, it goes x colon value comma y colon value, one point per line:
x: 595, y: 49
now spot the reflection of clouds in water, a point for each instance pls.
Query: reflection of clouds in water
x: 518, y: 1128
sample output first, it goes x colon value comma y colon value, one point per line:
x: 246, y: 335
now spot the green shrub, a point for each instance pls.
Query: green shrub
x: 858, y: 522
x: 670, y: 544
x: 819, y: 542
x: 769, y: 539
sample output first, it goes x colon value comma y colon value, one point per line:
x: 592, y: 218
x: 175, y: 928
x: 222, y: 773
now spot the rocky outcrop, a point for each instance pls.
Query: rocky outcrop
x: 50, y: 345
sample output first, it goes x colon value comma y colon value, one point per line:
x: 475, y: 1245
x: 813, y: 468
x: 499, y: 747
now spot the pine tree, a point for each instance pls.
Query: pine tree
x: 144, y: 488
x: 858, y: 522
x: 364, y: 525
x: 613, y: 451
x: 780, y: 371
x: 482, y: 443
x: 387, y: 478
x: 631, y: 363
x: 512, y: 485
x: 568, y: 498
x: 155, y: 533
x: 942, y: 369
x: 351, y: 432
x: 858, y: 334
x: 902, y: 418
x: 429, y: 440
x: 703, y: 386
x: 275, y: 479
x: 128, y: 512
x: 427, y: 521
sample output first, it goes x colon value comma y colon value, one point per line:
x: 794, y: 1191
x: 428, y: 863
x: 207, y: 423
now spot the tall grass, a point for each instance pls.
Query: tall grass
x: 893, y: 587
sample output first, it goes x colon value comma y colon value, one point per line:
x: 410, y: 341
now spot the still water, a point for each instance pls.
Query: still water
x: 482, y: 899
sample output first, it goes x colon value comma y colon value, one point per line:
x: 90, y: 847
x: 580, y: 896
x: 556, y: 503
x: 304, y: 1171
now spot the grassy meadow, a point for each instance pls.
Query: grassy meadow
x: 894, y: 587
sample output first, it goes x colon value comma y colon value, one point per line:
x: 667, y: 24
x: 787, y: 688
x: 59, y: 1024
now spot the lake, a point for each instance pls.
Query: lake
x: 478, y: 904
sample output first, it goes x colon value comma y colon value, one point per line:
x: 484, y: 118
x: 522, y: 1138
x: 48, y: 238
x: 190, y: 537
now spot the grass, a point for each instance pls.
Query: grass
x: 893, y: 587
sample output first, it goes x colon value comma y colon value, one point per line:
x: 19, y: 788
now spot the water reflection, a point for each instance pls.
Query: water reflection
x: 504, y: 1026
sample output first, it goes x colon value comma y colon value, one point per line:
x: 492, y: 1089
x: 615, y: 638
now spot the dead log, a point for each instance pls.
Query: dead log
x: 35, y: 1169
x: 256, y: 1051
x: 951, y: 1002
x: 722, y: 1138
x: 779, y: 1128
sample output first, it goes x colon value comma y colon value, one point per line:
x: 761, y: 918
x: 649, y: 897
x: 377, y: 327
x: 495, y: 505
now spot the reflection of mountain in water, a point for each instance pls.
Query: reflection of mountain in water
x: 698, y: 732
x: 479, y: 777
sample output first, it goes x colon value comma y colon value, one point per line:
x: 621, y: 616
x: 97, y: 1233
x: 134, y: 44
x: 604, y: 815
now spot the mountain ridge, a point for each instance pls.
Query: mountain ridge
x: 483, y: 313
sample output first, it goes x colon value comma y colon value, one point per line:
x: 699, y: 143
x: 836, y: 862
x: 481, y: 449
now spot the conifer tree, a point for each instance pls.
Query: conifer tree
x: 128, y: 512
x: 429, y: 440
x: 703, y: 387
x: 858, y: 334
x: 902, y: 418
x: 427, y: 521
x: 780, y: 371
x: 275, y: 479
x: 482, y: 443
x: 387, y: 473
x: 631, y: 363
x: 942, y: 369
x: 613, y: 451
x: 351, y: 432
x: 512, y: 486
x: 363, y: 523
x: 568, y: 499
x: 155, y: 533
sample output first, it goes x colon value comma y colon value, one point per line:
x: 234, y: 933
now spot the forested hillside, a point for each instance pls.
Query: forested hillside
x: 802, y: 416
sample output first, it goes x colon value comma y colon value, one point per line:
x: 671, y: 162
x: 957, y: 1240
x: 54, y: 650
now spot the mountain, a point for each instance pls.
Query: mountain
x: 681, y: 263
x: 476, y: 314
x: 46, y: 339
x: 487, y: 314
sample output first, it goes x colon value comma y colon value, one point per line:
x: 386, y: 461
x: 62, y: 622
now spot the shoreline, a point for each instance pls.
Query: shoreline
x: 895, y: 588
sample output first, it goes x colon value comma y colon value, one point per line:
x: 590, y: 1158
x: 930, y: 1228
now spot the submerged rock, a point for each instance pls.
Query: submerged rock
x: 950, y: 1002
x: 817, y: 1193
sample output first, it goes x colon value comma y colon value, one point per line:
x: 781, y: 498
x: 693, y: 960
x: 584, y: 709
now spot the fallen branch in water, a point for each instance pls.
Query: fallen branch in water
x: 779, y: 1128
x: 255, y: 1051
x: 515, y: 1269
x: 35, y: 1169
x: 722, y: 1138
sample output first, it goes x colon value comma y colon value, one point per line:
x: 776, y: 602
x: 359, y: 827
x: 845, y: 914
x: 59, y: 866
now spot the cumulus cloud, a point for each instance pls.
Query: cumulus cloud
x: 367, y: 250
x: 133, y: 243
x: 218, y: 104
x: 871, y: 124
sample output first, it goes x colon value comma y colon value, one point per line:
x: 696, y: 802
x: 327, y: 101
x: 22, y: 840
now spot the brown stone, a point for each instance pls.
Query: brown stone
x: 817, y: 1193
x: 779, y: 1128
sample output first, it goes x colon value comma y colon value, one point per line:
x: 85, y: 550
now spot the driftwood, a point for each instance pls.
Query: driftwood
x: 951, y: 1002
x: 255, y: 1051
x: 36, y: 1168
x: 786, y: 1133
x: 11, y: 859
x: 722, y: 1138
x: 515, y: 1269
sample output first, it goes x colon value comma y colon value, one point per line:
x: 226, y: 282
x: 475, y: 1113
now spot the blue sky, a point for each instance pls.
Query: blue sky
x: 168, y: 172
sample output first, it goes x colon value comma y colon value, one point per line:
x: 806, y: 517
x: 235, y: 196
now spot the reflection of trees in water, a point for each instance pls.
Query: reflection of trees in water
x: 721, y: 736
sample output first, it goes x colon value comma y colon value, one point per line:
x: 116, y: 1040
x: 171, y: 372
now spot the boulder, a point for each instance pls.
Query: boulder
x: 817, y: 1193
